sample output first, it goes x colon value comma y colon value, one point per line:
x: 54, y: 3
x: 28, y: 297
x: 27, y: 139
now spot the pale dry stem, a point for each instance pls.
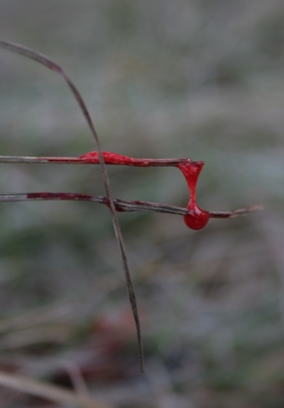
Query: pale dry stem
x: 50, y: 392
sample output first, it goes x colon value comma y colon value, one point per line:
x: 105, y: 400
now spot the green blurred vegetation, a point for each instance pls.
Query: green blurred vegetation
x: 196, y: 79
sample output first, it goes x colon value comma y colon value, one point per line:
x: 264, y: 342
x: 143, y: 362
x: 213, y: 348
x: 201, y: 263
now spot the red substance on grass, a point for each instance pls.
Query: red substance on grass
x: 197, y: 217
x: 116, y: 206
x: 114, y: 158
x: 59, y: 196
x: 38, y: 195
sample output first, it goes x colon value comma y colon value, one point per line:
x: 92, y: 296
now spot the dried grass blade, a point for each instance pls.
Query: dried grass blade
x: 123, y: 205
x: 236, y: 213
x: 47, y: 391
x: 42, y: 59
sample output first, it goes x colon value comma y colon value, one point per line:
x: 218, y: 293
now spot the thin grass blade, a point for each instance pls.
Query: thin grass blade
x: 47, y: 62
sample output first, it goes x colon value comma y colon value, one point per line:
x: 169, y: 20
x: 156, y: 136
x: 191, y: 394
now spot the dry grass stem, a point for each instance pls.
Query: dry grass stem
x: 49, y: 392
x: 47, y: 62
x: 123, y: 205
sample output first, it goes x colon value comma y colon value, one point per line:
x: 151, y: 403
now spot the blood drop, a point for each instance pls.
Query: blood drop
x: 197, y: 217
x: 197, y: 220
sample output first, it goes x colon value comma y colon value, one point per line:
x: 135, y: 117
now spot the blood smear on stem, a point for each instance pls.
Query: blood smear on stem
x: 197, y: 217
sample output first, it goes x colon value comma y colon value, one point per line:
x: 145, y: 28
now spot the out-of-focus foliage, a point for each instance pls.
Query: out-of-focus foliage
x: 182, y: 78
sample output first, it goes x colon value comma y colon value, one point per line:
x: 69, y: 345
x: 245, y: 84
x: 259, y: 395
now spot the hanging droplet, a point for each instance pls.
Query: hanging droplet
x: 197, y: 218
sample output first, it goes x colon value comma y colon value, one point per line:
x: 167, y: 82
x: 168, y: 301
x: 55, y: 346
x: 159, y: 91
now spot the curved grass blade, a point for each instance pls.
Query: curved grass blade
x: 47, y: 62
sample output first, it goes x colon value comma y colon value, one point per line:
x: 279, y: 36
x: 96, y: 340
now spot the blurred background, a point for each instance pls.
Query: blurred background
x: 185, y: 78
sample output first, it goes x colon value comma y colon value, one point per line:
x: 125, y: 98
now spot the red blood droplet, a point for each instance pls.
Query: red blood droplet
x: 197, y: 220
